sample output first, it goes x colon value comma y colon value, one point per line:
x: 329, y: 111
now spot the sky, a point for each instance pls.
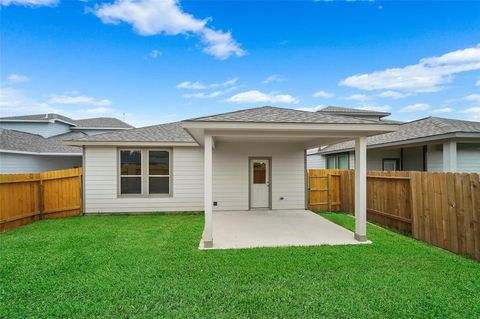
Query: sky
x: 158, y: 61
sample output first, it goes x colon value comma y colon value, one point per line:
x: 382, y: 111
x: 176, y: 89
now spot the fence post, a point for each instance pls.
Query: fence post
x: 41, y: 198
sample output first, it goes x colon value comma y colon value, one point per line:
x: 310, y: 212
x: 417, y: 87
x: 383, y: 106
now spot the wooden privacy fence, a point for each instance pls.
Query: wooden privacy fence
x: 25, y: 198
x: 442, y: 209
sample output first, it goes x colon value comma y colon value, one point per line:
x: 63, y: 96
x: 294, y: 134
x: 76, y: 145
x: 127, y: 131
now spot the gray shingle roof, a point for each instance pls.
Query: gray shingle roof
x: 39, y: 117
x: 427, y: 127
x: 171, y: 132
x: 346, y: 110
x: 102, y: 122
x: 25, y: 142
x: 270, y: 114
x: 97, y: 122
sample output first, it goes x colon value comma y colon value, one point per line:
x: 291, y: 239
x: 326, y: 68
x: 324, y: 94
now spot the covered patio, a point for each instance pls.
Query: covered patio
x: 273, y: 141
x: 276, y: 228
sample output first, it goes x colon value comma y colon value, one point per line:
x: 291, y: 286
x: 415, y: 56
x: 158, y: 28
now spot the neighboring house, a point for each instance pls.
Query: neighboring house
x: 34, y: 143
x: 429, y: 144
x: 248, y: 159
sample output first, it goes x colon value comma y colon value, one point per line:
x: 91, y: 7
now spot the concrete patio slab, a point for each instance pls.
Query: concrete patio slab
x: 276, y: 228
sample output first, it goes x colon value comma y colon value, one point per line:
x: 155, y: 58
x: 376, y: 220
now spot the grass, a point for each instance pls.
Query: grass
x: 149, y: 266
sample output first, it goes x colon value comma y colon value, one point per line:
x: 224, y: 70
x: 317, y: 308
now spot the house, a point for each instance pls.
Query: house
x: 428, y: 144
x: 34, y: 143
x: 251, y: 159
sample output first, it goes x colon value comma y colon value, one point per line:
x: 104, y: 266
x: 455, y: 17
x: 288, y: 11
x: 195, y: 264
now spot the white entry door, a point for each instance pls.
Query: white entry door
x: 259, y: 183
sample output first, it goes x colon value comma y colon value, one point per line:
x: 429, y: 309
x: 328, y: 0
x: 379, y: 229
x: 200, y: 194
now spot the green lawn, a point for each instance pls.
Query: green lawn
x: 149, y: 266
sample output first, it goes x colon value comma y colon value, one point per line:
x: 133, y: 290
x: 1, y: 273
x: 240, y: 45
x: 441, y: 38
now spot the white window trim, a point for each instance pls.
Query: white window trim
x: 147, y: 190
x: 119, y: 171
x: 145, y: 187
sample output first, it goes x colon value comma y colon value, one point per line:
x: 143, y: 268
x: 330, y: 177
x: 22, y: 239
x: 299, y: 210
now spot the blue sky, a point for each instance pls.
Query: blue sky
x: 161, y: 61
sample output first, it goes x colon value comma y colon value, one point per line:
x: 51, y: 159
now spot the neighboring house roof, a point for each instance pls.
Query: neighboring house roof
x: 170, y: 132
x: 45, y: 117
x: 11, y: 140
x: 408, y: 132
x: 270, y: 114
x: 102, y: 122
x: 345, y: 110
x: 96, y: 122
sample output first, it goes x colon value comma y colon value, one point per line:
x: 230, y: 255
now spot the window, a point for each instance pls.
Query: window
x: 339, y: 161
x: 390, y: 164
x: 158, y: 172
x: 144, y: 172
x: 259, y: 173
x: 130, y: 172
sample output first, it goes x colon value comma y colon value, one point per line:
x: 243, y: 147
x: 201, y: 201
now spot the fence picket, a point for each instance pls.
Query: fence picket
x: 25, y: 198
x: 442, y: 209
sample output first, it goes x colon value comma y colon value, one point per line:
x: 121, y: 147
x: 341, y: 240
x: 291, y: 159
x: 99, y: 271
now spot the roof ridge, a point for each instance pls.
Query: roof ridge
x: 231, y: 112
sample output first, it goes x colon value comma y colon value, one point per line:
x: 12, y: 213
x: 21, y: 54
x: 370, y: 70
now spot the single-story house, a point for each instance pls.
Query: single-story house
x: 253, y: 159
x: 34, y: 143
x: 428, y: 144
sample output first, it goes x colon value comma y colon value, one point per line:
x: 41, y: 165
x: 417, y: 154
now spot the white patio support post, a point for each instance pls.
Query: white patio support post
x: 208, y: 189
x: 361, y: 188
x: 450, y: 156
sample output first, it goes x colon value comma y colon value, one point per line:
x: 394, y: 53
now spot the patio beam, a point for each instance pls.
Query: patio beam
x: 208, y: 189
x: 361, y: 188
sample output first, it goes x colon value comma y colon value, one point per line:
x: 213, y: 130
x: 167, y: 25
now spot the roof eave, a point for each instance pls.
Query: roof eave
x: 128, y: 143
x: 40, y: 153
x: 381, y: 127
x: 409, y: 141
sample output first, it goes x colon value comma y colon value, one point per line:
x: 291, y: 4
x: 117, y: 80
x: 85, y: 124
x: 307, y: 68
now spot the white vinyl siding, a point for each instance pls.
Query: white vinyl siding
x: 468, y: 157
x: 316, y: 161
x: 101, y: 194
x: 230, y: 174
x: 43, y: 129
x: 22, y: 163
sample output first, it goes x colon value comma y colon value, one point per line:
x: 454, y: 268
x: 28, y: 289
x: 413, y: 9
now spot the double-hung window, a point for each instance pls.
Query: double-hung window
x: 145, y: 172
x: 338, y: 161
x: 158, y: 172
x: 130, y: 172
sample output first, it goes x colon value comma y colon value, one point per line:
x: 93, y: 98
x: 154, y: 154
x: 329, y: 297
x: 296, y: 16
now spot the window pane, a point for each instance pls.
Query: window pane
x: 130, y: 163
x: 331, y: 162
x: 259, y: 173
x: 130, y: 185
x: 158, y: 163
x: 343, y: 162
x: 159, y: 185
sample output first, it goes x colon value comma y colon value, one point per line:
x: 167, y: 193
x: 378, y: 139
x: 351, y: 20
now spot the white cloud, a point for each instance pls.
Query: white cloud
x: 472, y: 97
x: 154, y: 54
x: 77, y: 100
x: 201, y: 86
x: 18, y: 78
x: 377, y: 108
x: 30, y: 3
x: 273, y: 78
x: 13, y: 101
x: 473, y: 112
x: 311, y: 109
x: 415, y: 107
x: 254, y: 96
x: 429, y: 75
x: 357, y: 97
x: 323, y: 94
x: 152, y: 17
x: 442, y: 110
x: 220, y: 44
x: 393, y: 95
x: 477, y: 83
x: 203, y: 95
